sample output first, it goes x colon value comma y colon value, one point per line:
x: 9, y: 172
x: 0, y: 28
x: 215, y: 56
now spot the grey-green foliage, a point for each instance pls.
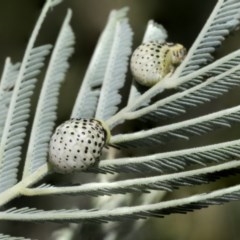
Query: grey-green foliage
x: 89, y: 93
x: 197, y: 81
x: 7, y: 237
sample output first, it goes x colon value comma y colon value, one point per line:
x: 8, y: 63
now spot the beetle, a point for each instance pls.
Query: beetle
x: 153, y: 61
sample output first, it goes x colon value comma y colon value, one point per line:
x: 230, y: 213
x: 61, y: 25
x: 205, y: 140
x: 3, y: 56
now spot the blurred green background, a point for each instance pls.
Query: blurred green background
x: 183, y: 20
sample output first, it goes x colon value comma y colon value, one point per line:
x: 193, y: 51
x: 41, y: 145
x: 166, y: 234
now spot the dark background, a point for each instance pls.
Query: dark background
x: 183, y: 20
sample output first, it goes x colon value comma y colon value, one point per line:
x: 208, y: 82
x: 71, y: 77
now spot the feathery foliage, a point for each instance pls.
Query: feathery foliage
x: 7, y: 83
x: 196, y: 82
x: 46, y: 110
x: 114, y: 80
x: 223, y: 20
x: 87, y: 100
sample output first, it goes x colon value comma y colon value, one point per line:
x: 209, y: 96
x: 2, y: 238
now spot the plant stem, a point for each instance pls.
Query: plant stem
x: 19, y: 188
